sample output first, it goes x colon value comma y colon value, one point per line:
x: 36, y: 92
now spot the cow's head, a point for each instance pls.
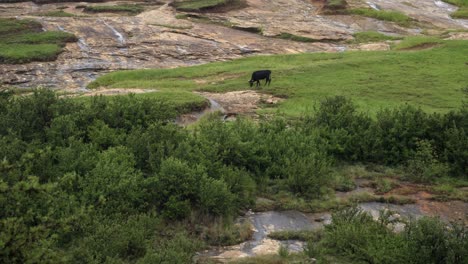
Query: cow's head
x: 251, y: 82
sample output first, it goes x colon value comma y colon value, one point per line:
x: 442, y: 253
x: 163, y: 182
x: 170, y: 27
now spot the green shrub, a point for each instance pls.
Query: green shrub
x: 424, y: 166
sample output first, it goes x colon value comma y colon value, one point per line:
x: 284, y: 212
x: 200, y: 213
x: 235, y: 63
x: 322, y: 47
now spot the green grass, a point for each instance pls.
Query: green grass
x: 23, y: 41
x: 202, y: 5
x: 418, y: 42
x: 371, y: 36
x: 295, y: 37
x: 392, y: 16
x: 22, y: 53
x: 457, y: 2
x: 461, y: 13
x: 14, y: 26
x: 48, y: 37
x: 430, y: 78
x: 58, y: 13
x: 123, y: 8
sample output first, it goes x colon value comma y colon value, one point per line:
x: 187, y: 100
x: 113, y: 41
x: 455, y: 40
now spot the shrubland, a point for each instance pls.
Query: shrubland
x: 113, y: 179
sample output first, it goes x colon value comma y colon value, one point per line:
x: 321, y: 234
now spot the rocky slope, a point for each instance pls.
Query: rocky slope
x: 157, y: 39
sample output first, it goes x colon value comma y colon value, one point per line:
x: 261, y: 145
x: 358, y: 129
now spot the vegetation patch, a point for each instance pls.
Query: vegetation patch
x: 418, y: 42
x: 457, y: 2
x: 332, y: 7
x: 461, y: 13
x: 392, y: 16
x: 208, y: 5
x: 123, y: 8
x: 23, y: 41
x: 293, y: 37
x: 117, y: 169
x: 58, y: 13
x: 433, y: 78
x: 372, y: 36
x: 304, y: 235
x: 355, y: 235
x: 180, y: 101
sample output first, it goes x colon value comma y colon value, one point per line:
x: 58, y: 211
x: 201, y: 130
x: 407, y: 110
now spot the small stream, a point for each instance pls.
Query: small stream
x: 188, y: 119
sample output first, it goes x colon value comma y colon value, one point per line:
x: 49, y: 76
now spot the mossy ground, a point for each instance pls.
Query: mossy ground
x: 23, y: 41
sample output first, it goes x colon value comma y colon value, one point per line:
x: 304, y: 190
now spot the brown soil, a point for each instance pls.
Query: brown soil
x: 241, y: 102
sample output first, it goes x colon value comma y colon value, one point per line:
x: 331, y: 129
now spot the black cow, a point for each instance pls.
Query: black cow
x: 260, y: 75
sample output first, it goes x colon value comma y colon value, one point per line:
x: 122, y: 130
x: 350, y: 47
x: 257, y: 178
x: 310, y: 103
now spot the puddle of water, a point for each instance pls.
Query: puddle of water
x: 188, y: 119
x: 407, y: 210
x: 265, y: 223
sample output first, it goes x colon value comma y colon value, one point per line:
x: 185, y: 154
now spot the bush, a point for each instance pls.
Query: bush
x: 424, y: 167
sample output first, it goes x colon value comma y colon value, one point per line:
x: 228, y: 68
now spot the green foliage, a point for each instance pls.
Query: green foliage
x: 112, y: 179
x: 356, y: 235
x: 424, y: 166
x: 392, y: 16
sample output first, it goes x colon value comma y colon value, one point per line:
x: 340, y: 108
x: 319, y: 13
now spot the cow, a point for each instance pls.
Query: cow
x: 260, y: 75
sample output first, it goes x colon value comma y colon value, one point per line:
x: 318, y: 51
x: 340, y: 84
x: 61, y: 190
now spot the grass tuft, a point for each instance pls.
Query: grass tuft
x: 58, y: 13
x: 296, y: 37
x: 461, y: 13
x: 418, y: 42
x: 392, y: 16
x: 371, y: 36
x: 123, y: 8
x: 205, y: 5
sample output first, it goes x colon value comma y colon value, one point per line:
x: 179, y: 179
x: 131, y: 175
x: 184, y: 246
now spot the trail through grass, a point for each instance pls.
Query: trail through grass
x: 431, y: 79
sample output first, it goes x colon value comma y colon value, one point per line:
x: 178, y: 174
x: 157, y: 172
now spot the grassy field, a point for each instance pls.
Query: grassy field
x: 431, y: 79
x: 23, y: 41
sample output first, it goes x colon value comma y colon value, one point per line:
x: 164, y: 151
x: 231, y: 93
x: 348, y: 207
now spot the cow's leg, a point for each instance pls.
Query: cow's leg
x: 258, y: 83
x: 269, y: 80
